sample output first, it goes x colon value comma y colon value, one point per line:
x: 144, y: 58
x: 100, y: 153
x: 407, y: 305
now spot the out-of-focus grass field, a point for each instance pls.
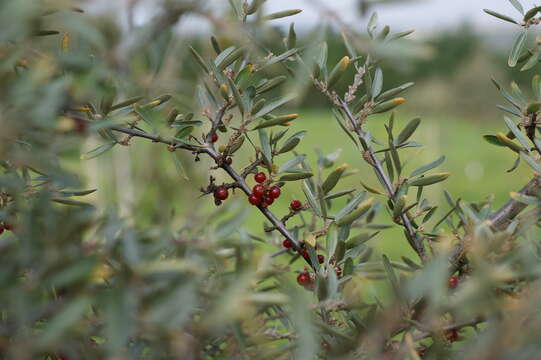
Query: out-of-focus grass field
x: 478, y: 169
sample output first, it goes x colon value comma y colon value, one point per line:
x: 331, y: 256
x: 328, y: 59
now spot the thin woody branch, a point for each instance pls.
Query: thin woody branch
x: 216, y: 121
x: 500, y: 219
x: 239, y: 179
x: 410, y: 232
x: 511, y: 209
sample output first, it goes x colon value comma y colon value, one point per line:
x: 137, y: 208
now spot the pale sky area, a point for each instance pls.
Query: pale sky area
x: 422, y: 15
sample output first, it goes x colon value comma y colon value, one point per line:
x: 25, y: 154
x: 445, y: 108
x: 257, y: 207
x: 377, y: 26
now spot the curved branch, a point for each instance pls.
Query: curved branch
x: 510, y: 210
x: 500, y: 219
x: 210, y: 151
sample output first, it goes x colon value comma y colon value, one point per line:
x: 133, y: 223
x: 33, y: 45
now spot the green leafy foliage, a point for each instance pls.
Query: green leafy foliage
x: 89, y: 274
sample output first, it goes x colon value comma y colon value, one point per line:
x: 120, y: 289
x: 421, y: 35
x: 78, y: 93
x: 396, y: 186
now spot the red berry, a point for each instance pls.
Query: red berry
x: 320, y: 259
x: 274, y: 192
x: 260, y: 177
x: 8, y: 227
x: 295, y: 205
x: 268, y: 201
x: 453, y: 282
x: 258, y: 191
x: 305, y: 254
x: 254, y: 200
x: 229, y: 161
x: 288, y: 244
x: 221, y: 193
x: 451, y: 335
x: 338, y: 271
x: 304, y: 279
x: 214, y: 138
x: 80, y: 126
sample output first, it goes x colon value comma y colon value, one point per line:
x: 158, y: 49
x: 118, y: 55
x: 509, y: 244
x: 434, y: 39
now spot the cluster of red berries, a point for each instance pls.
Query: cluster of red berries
x: 6, y: 226
x: 261, y: 195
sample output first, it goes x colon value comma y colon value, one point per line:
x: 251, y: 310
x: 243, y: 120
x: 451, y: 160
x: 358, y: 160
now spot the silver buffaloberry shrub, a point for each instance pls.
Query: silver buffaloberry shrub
x: 84, y: 282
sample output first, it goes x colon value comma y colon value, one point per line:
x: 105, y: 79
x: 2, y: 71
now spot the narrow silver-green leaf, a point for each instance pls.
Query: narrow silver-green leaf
x: 98, y: 151
x: 314, y: 204
x: 532, y: 61
x: 279, y: 58
x: 377, y: 84
x: 391, y: 275
x: 351, y: 205
x: 518, y: 134
x: 265, y: 145
x: 274, y: 105
x: 400, y: 35
x: 291, y: 163
x: 372, y: 24
x: 536, y: 86
x: 343, y: 127
x: 500, y: 16
x: 408, y: 131
x: 428, y: 167
x: 270, y: 84
x: 230, y: 59
x: 282, y: 14
x: 518, y: 46
x: 126, y: 103
x: 531, y: 13
x: 394, y: 92
x: 296, y: 176
x: 178, y: 165
x: 338, y: 194
x: 66, y: 318
x: 291, y: 41
x: 292, y: 142
x: 533, y: 164
x: 236, y: 94
x: 525, y: 199
x: 199, y: 60
x: 517, y: 6
x: 428, y: 180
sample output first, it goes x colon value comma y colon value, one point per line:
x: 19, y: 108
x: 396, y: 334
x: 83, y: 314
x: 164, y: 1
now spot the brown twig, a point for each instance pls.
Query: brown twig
x: 509, y: 211
x: 284, y: 219
x: 499, y: 220
x: 251, y: 167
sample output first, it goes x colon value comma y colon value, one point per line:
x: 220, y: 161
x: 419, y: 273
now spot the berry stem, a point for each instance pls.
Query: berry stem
x: 251, y: 167
x: 216, y: 123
